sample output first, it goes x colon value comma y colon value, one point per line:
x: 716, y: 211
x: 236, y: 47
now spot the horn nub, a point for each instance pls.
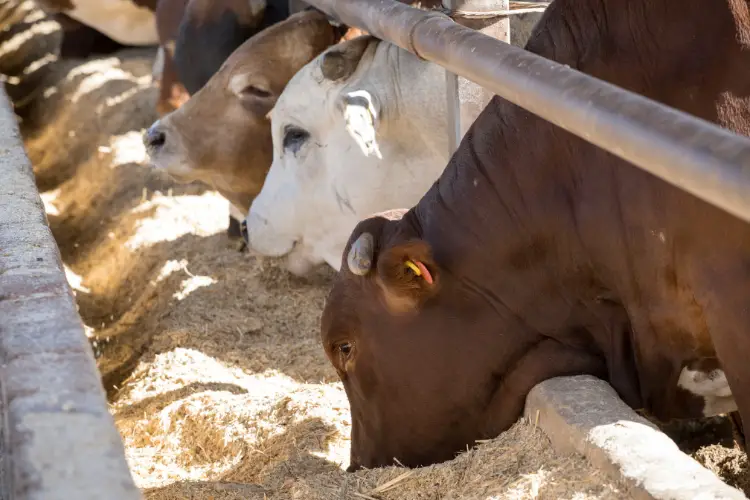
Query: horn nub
x: 360, y: 255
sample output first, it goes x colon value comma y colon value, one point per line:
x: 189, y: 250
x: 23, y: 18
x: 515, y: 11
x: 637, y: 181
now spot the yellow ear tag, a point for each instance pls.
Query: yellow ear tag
x: 411, y: 265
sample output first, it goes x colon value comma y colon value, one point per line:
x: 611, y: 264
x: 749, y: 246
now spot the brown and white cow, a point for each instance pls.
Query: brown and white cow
x: 538, y: 255
x: 128, y: 22
x: 221, y: 136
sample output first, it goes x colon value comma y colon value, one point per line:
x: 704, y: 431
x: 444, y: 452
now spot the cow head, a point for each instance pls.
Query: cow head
x: 340, y: 155
x: 222, y: 135
x: 418, y: 383
x: 428, y: 364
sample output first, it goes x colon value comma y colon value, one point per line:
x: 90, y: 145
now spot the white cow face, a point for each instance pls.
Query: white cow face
x: 326, y: 162
x: 339, y: 155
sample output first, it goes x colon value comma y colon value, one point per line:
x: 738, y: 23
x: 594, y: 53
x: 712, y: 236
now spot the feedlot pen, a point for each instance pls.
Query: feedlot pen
x: 210, y: 357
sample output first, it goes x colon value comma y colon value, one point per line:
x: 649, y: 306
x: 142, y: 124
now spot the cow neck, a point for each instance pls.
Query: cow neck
x: 498, y: 216
x: 500, y: 220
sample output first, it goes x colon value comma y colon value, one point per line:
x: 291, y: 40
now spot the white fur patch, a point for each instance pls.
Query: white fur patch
x: 238, y: 83
x: 236, y: 213
x: 158, y: 68
x: 360, y: 123
x: 712, y: 387
x: 121, y: 20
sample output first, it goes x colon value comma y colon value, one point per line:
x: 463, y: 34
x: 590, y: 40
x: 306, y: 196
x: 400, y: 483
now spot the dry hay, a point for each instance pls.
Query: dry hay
x: 217, y: 382
x: 711, y: 442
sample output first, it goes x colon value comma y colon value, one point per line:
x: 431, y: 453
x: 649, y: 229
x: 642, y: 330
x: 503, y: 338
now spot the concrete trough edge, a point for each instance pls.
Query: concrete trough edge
x: 583, y: 414
x: 58, y: 438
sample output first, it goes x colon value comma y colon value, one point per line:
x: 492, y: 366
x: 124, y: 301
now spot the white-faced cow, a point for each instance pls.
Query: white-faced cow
x: 360, y: 129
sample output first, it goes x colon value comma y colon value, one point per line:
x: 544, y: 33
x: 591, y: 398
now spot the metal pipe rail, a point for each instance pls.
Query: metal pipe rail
x: 699, y: 157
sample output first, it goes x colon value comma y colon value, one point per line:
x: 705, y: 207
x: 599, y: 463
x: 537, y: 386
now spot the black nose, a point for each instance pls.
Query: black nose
x: 154, y: 138
x: 243, y: 230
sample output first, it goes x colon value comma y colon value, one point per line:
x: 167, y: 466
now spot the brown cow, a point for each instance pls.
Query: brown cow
x: 221, y: 136
x: 538, y: 255
x: 197, y: 36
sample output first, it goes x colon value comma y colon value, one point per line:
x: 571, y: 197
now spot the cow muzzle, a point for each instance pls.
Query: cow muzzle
x: 263, y: 239
x: 154, y: 138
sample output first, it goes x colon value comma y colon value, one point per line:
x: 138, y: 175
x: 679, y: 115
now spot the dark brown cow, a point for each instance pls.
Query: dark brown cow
x: 212, y: 29
x: 538, y: 255
x: 221, y: 136
x: 197, y: 36
x: 172, y: 93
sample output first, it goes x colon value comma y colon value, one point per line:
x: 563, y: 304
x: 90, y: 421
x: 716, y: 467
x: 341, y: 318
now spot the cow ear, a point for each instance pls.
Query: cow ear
x: 407, y: 275
x: 255, y: 95
x: 361, y: 115
x: 341, y: 61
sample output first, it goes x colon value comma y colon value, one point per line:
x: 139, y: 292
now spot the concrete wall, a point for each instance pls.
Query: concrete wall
x: 57, y: 439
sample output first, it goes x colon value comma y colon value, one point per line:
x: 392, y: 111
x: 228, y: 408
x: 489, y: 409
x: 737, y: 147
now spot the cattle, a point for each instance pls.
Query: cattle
x: 197, y: 36
x: 221, y: 136
x: 81, y: 41
x: 349, y: 142
x: 211, y: 30
x: 128, y: 22
x: 360, y: 129
x: 537, y: 255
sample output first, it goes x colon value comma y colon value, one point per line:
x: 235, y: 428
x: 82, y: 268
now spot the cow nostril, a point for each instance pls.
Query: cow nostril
x: 154, y: 137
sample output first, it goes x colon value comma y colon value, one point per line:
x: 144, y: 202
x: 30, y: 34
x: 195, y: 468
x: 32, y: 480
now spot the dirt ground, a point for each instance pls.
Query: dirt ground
x: 210, y: 356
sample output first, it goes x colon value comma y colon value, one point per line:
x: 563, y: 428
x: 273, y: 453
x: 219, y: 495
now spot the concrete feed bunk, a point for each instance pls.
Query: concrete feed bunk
x: 210, y: 357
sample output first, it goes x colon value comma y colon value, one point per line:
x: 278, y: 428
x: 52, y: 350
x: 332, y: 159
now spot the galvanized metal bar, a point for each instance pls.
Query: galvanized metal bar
x: 699, y: 157
x: 297, y: 6
x: 466, y: 99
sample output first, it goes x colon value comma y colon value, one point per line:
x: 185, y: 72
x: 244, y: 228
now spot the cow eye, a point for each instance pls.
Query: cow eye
x: 345, y: 348
x: 253, y: 91
x: 294, y: 138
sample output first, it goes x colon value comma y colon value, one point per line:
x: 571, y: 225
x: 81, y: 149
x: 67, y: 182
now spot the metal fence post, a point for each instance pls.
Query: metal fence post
x: 467, y: 99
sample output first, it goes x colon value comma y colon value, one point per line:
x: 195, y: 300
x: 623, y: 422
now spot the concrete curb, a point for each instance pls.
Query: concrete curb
x: 584, y: 414
x: 58, y: 438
